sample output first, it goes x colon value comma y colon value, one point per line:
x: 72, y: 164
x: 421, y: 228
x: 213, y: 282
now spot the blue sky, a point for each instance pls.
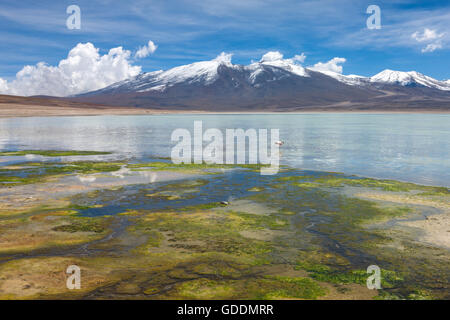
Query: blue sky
x: 188, y: 31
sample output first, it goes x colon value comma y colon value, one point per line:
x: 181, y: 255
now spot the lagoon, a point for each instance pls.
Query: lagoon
x: 408, y: 147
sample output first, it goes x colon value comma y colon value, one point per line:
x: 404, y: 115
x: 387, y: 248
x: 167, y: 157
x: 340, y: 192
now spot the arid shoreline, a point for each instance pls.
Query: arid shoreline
x: 16, y: 106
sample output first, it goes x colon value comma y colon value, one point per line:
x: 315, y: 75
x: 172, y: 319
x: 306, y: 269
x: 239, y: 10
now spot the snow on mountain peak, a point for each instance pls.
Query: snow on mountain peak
x: 409, y: 78
x: 202, y: 71
x: 394, y: 77
x: 333, y: 69
x: 352, y: 79
x: 272, y: 66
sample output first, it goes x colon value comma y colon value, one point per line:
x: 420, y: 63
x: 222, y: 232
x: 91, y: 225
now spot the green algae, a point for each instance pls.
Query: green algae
x: 435, y: 191
x: 84, y: 167
x: 256, y: 189
x: 306, y: 185
x: 256, y: 222
x: 199, y: 251
x: 354, y: 211
x: 35, y: 172
x: 324, y: 273
x: 159, y: 165
x: 49, y: 170
x: 178, y: 190
x: 282, y: 287
x: 268, y: 288
x: 214, y: 237
x: 334, y: 180
x: 82, y: 225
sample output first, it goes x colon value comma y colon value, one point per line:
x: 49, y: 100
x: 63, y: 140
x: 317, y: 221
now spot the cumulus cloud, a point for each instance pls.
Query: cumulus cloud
x: 274, y: 56
x: 431, y: 47
x: 145, y: 51
x: 426, y: 35
x: 333, y: 65
x: 299, y: 58
x: 83, y: 70
x: 271, y: 56
x: 431, y: 36
x: 3, y: 85
x: 276, y: 59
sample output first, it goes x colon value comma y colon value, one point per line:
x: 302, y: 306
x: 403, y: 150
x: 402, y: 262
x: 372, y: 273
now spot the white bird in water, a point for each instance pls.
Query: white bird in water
x: 279, y: 142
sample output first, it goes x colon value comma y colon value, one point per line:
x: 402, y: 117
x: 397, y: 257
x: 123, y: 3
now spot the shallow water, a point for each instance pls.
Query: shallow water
x: 407, y: 147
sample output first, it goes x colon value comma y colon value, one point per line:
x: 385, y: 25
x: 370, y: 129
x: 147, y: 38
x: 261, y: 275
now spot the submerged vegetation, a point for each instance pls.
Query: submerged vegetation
x: 340, y: 180
x: 225, y: 234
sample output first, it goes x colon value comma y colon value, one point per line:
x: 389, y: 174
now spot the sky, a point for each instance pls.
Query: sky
x: 119, y: 39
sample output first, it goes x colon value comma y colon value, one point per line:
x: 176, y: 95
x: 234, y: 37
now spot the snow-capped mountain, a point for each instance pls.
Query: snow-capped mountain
x: 406, y: 79
x: 285, y: 64
x: 206, y: 73
x: 352, y: 79
x: 411, y: 78
x: 273, y: 83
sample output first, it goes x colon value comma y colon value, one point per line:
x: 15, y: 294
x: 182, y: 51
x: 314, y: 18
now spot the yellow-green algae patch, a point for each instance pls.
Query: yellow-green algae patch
x: 201, y: 168
x: 47, y: 171
x: 269, y: 287
x: 338, y: 180
x: 46, y: 277
x: 224, y: 251
x: 48, y: 230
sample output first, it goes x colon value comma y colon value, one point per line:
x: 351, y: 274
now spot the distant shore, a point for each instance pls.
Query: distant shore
x: 20, y: 110
x: 24, y: 110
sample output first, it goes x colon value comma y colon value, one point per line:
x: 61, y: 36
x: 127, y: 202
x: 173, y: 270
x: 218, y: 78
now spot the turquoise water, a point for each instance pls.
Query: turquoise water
x: 407, y: 147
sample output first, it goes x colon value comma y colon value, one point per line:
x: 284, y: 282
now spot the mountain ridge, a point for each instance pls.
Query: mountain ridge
x: 276, y: 84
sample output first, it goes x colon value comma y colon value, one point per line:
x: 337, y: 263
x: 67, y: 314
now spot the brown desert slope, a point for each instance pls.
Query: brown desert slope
x: 16, y: 106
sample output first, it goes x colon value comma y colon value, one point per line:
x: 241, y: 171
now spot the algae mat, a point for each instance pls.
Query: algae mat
x: 156, y: 230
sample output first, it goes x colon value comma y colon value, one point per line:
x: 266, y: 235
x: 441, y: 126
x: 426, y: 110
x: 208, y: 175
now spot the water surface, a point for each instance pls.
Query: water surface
x: 407, y: 147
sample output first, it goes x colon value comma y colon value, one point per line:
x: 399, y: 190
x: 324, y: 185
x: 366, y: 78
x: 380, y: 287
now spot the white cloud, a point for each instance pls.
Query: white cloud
x: 145, y: 51
x: 299, y: 58
x: 333, y: 65
x: 431, y: 47
x: 431, y: 37
x: 83, y: 70
x: 275, y: 58
x: 427, y: 35
x: 3, y: 85
x: 224, y: 58
x: 271, y: 56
